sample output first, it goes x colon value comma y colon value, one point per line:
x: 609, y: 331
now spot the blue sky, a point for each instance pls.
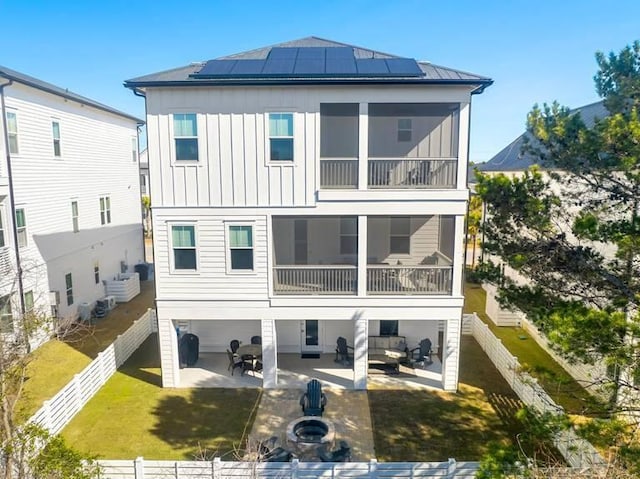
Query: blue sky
x: 535, y: 51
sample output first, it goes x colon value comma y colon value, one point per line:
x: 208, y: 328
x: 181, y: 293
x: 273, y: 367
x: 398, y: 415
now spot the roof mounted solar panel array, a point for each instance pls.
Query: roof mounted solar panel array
x: 311, y: 62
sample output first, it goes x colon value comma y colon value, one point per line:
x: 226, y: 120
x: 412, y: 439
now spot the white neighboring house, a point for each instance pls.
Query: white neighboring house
x: 307, y: 191
x: 69, y: 198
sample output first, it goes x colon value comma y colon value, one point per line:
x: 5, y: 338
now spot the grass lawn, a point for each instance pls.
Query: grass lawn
x: 55, y: 363
x: 564, y: 390
x: 133, y: 416
x: 433, y: 426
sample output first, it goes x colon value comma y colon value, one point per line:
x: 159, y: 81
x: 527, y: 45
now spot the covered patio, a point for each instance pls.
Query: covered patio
x: 294, y: 372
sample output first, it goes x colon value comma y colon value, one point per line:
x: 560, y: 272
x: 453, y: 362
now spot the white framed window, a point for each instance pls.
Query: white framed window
x: 6, y: 316
x: 68, y: 282
x: 28, y: 301
x: 281, y: 137
x: 183, y: 244
x: 134, y: 149
x: 2, y: 242
x: 21, y: 227
x: 12, y: 132
x: 55, y: 130
x: 400, y: 235
x: 405, y: 129
x: 388, y: 327
x: 96, y: 272
x: 74, y: 216
x: 185, y: 135
x: 240, y: 248
x: 349, y: 235
x: 105, y: 210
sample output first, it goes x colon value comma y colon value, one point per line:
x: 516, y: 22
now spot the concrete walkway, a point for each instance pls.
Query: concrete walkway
x: 348, y: 411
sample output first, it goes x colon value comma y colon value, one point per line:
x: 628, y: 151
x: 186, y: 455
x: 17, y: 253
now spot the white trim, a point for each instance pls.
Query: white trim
x: 13, y: 111
x: 201, y: 119
x: 172, y: 268
x: 25, y: 227
x: 227, y: 248
x: 107, y: 210
x: 267, y: 136
x: 55, y: 120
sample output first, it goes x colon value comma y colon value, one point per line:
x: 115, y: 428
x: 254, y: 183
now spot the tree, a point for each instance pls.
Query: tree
x: 571, y: 227
x: 474, y: 221
x: 146, y: 206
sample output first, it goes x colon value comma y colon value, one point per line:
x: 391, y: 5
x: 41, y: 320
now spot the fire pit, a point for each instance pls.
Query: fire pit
x: 307, y: 433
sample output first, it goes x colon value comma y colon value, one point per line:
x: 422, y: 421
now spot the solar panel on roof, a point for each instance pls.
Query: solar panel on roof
x: 403, y: 66
x: 341, y: 67
x: 309, y: 66
x: 217, y: 67
x: 248, y: 67
x: 281, y: 53
x: 311, y: 53
x: 278, y: 67
x: 345, y: 53
x: 370, y: 66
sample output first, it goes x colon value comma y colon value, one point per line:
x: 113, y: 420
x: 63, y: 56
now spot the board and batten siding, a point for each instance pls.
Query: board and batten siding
x: 211, y: 281
x: 233, y: 169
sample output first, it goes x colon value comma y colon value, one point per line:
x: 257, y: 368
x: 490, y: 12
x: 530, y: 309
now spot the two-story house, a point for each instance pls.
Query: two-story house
x: 307, y: 191
x: 70, y: 214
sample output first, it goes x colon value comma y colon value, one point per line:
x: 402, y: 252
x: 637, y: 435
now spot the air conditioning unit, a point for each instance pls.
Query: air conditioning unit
x: 54, y: 298
x: 111, y: 302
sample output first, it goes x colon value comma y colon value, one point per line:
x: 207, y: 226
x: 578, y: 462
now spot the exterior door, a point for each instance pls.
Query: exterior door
x: 310, y: 336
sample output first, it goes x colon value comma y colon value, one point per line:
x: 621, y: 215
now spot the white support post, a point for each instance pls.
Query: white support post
x: 269, y: 354
x: 362, y: 255
x: 216, y: 468
x: 363, y: 146
x: 138, y: 468
x: 360, y: 354
x: 169, y: 360
x: 451, y: 468
x: 458, y: 256
x: 373, y: 468
x: 451, y: 355
x: 463, y: 146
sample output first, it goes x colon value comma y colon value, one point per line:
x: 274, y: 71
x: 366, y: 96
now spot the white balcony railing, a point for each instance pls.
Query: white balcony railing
x: 412, y: 173
x: 338, y: 173
x: 382, y: 279
x: 311, y: 280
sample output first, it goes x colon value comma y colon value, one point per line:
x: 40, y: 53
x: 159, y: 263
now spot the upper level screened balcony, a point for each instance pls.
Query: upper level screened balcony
x: 410, y: 145
x: 405, y: 255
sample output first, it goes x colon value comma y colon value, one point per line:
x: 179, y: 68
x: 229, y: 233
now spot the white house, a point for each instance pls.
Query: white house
x: 70, y: 213
x: 307, y: 191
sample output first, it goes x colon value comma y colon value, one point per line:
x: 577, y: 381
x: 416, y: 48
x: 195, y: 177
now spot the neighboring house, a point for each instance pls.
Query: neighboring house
x: 307, y: 191
x: 69, y: 198
x: 144, y: 173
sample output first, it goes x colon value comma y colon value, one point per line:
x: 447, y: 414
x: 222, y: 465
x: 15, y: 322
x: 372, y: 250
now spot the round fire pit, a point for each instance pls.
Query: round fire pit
x: 305, y: 434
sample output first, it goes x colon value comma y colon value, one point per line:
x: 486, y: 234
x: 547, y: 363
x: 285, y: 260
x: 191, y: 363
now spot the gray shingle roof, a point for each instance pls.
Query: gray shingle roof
x: 181, y: 76
x: 510, y: 158
x: 63, y: 92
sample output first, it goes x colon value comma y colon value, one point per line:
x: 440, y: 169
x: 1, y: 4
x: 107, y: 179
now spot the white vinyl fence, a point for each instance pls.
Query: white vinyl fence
x: 57, y: 412
x: 576, y: 451
x: 217, y: 469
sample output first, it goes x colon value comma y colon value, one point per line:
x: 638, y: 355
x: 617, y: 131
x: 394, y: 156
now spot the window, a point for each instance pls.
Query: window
x: 281, y: 136
x: 68, y: 280
x: 185, y: 133
x: 21, y: 227
x: 241, y: 247
x: 105, y: 210
x: 55, y: 126
x: 388, y: 327
x: 400, y: 239
x: 134, y: 149
x: 404, y: 129
x: 183, y: 238
x: 2, y: 243
x: 349, y: 235
x: 6, y: 317
x: 96, y: 272
x: 28, y: 301
x: 74, y: 216
x: 12, y: 132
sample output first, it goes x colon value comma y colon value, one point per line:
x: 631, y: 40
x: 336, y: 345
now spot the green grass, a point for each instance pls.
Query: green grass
x: 433, y: 426
x: 564, y: 390
x: 132, y: 415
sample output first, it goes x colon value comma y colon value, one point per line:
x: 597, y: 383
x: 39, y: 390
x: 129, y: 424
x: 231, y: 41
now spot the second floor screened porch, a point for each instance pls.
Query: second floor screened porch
x: 405, y: 255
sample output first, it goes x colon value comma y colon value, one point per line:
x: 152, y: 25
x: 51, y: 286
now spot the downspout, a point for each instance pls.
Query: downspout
x: 12, y: 203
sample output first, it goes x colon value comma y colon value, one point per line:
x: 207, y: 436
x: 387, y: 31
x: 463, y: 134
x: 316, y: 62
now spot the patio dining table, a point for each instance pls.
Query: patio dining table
x: 254, y: 350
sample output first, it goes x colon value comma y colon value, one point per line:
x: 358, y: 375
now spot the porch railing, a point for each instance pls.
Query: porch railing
x: 339, y: 173
x: 332, y: 279
x: 383, y: 279
x: 412, y: 173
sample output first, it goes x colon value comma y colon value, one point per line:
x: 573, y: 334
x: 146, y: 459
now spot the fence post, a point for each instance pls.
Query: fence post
x: 77, y: 392
x: 138, y: 468
x: 373, y: 468
x: 47, y: 415
x: 451, y: 468
x: 215, y: 468
x: 295, y: 462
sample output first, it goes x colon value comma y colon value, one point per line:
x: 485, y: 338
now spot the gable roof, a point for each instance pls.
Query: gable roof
x: 33, y: 82
x: 510, y: 158
x: 428, y: 73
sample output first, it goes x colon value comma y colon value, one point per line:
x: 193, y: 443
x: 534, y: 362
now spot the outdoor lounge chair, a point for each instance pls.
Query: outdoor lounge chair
x: 421, y: 354
x: 235, y: 361
x: 314, y: 400
x: 342, y: 454
x: 269, y: 452
x: 342, y: 352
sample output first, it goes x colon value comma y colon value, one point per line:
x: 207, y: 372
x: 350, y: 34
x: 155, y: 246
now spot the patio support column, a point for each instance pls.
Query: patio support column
x: 169, y: 361
x: 363, y: 146
x: 269, y: 354
x: 361, y: 333
x: 362, y: 255
x: 458, y: 257
x: 451, y: 355
x: 463, y: 146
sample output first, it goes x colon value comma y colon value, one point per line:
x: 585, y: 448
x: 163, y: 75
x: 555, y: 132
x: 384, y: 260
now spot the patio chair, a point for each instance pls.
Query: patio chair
x: 234, y: 345
x: 234, y: 362
x: 250, y: 363
x: 269, y: 452
x: 421, y: 354
x: 314, y: 400
x: 342, y: 454
x: 256, y: 339
x: 342, y: 352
